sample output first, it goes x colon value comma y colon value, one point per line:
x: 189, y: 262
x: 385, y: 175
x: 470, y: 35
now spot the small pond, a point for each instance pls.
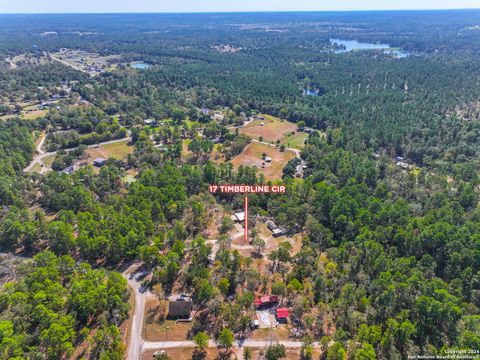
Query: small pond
x: 140, y: 66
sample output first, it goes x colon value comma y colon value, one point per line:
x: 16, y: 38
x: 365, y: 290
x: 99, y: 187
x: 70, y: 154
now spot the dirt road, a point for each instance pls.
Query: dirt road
x: 68, y: 64
x: 42, y: 154
x: 297, y: 152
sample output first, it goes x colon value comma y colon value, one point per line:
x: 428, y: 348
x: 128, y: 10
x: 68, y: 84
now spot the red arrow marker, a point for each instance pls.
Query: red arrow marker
x: 246, y: 219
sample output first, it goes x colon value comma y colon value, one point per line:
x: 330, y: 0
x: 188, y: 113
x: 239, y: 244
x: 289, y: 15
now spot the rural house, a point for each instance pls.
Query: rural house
x: 179, y: 310
x: 265, y: 301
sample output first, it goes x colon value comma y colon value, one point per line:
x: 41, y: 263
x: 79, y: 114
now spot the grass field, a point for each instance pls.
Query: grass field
x: 252, y: 156
x: 48, y: 160
x: 157, y: 329
x: 36, y: 168
x: 118, y: 150
x: 182, y: 354
x: 34, y: 114
x: 296, y: 141
x: 273, y: 129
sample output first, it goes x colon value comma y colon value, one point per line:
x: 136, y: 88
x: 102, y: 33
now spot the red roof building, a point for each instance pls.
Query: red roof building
x: 282, y: 314
x: 266, y: 300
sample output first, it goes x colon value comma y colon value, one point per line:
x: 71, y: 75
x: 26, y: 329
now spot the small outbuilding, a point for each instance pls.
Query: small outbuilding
x: 99, y: 162
x: 403, y: 165
x: 68, y: 170
x: 282, y: 314
x: 150, y: 122
x: 276, y: 231
x: 239, y: 216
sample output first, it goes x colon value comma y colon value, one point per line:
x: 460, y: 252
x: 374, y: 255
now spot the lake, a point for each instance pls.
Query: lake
x: 140, y: 65
x: 353, y: 45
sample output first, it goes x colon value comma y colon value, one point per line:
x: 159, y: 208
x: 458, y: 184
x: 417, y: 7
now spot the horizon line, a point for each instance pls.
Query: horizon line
x: 233, y: 12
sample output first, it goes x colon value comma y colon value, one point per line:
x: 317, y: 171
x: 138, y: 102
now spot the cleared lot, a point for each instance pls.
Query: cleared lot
x: 252, y: 156
x: 273, y: 128
x: 117, y: 150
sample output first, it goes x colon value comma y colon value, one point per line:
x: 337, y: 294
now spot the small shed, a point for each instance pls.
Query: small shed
x: 68, y: 170
x: 239, y: 216
x: 218, y: 116
x: 271, y: 225
x: 404, y: 165
x: 268, y: 159
x: 150, y: 122
x: 99, y: 162
x: 278, y: 232
x: 282, y: 314
x: 179, y: 310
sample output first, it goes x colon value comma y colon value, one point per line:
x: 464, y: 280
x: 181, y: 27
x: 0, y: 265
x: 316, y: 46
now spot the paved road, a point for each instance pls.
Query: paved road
x: 136, y: 343
x: 42, y: 154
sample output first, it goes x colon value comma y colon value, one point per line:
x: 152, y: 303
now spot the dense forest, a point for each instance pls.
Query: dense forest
x: 388, y: 262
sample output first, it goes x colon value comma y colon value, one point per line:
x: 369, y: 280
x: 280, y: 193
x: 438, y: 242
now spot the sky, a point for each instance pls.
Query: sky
x: 102, y: 6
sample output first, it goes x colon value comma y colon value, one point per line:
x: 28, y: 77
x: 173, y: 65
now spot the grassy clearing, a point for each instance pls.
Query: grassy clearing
x: 34, y: 114
x: 117, y: 150
x: 7, y: 117
x: 273, y: 128
x: 155, y: 328
x: 182, y: 354
x: 48, y: 160
x: 296, y: 141
x: 252, y: 156
x: 278, y: 333
x: 36, y: 168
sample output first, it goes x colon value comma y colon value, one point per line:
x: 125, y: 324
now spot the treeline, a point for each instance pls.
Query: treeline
x: 52, y: 310
x: 16, y: 149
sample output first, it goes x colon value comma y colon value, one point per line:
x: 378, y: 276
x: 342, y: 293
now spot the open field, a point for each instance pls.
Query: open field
x: 118, y: 150
x: 48, y: 160
x: 182, y: 354
x: 296, y: 141
x: 273, y: 129
x: 34, y: 114
x: 275, y: 334
x: 252, y: 156
x: 156, y: 328
x: 37, y: 168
